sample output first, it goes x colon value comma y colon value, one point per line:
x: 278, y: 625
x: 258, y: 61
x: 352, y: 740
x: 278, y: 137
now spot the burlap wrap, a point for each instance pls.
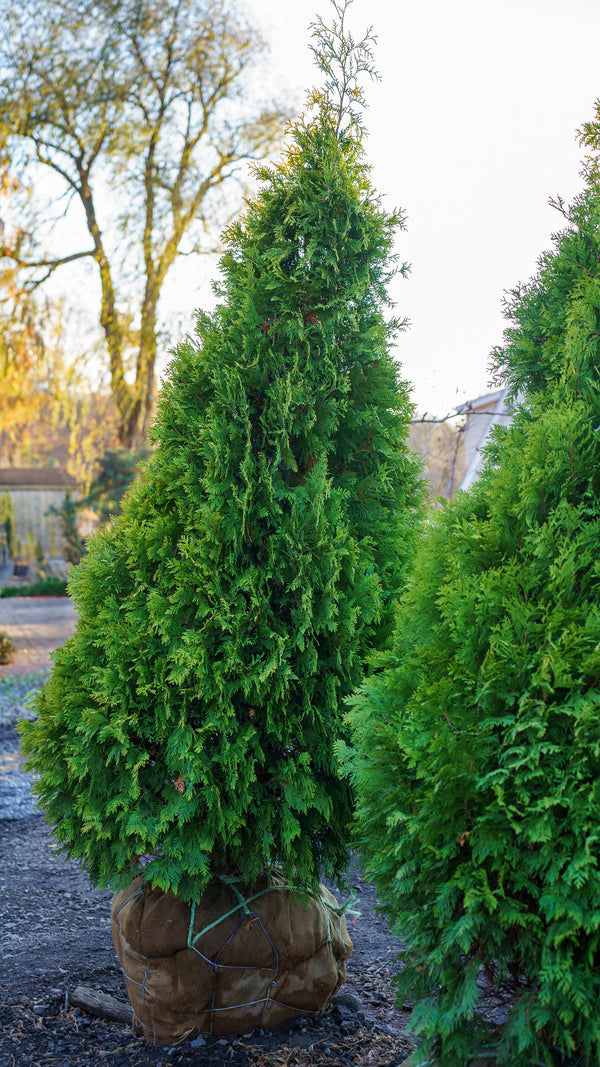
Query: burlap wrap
x: 230, y: 965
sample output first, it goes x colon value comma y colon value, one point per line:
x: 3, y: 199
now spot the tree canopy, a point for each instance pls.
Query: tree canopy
x: 142, y: 112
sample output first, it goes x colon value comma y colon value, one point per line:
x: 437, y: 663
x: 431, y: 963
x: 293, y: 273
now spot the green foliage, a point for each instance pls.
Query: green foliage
x: 336, y: 50
x: 73, y: 546
x: 7, y: 527
x: 41, y: 563
x: 229, y: 610
x: 541, y: 310
x: 478, y: 744
x: 45, y: 587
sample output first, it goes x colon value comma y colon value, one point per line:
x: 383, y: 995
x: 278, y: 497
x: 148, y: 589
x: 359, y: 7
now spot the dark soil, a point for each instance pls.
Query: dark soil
x: 56, y: 936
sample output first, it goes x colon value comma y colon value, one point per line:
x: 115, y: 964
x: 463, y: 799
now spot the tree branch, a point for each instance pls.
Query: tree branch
x: 50, y: 264
x: 42, y: 146
x: 458, y: 414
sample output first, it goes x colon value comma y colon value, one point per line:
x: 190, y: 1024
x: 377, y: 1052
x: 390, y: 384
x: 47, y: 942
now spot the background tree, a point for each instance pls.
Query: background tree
x: 235, y: 601
x: 48, y: 412
x: 478, y: 748
x: 139, y: 108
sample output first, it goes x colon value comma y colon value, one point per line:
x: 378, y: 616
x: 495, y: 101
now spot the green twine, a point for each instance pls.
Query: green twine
x: 243, y: 902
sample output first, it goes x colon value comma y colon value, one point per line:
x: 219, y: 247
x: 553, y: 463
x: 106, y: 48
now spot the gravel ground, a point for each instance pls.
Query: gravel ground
x: 16, y: 801
x: 56, y: 936
x: 14, y: 689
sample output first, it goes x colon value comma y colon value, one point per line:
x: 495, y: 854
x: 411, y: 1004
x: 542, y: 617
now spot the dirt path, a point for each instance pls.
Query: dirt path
x: 36, y: 626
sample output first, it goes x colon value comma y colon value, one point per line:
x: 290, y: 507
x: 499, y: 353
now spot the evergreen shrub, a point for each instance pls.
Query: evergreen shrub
x: 7, y: 648
x: 187, y: 728
x: 45, y: 587
x: 477, y: 747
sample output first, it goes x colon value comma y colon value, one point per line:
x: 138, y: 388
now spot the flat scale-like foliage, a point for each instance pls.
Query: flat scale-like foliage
x: 188, y: 726
x: 478, y: 747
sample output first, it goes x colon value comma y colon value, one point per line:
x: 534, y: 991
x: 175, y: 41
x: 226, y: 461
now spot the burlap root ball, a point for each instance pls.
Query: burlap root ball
x: 225, y: 966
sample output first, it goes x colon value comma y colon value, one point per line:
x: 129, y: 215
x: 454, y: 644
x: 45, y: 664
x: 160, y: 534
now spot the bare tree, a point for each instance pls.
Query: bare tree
x: 140, y: 108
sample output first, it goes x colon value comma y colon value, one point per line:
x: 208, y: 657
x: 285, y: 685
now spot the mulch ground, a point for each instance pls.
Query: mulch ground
x: 56, y: 936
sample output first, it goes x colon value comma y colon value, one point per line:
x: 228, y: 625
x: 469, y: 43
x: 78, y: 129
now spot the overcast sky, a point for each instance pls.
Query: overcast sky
x: 472, y: 129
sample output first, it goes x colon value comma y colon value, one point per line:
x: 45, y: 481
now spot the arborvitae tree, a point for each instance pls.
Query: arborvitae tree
x: 478, y: 748
x: 188, y: 725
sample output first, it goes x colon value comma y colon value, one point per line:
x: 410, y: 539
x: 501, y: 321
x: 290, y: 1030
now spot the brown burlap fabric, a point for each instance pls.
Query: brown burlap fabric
x: 227, y: 964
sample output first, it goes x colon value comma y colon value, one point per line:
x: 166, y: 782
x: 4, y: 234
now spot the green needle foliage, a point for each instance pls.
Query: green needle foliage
x: 231, y: 608
x: 478, y: 747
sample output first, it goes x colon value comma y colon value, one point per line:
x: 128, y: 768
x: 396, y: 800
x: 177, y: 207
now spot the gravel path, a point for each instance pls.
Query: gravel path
x: 16, y: 801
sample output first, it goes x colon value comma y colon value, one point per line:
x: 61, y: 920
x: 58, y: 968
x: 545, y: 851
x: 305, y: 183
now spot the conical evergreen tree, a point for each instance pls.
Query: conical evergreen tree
x: 188, y: 725
x: 478, y: 748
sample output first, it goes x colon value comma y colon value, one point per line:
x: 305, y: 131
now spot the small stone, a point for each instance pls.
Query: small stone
x: 223, y: 1041
x: 198, y: 1042
x: 347, y: 1000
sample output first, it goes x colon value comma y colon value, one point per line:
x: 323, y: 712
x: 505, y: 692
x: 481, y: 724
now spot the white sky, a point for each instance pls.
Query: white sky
x: 472, y: 129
